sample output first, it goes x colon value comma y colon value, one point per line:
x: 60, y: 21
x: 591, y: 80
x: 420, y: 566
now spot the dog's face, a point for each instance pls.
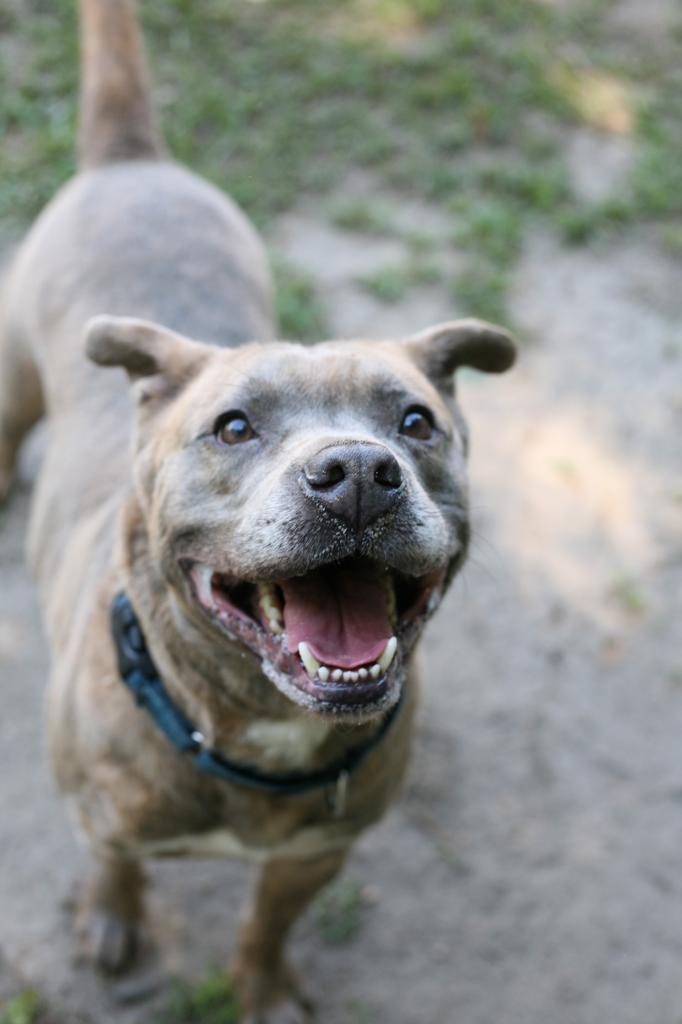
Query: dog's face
x: 307, y: 503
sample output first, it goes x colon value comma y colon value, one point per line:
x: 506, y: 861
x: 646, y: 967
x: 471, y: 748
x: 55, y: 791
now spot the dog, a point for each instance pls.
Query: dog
x: 237, y: 539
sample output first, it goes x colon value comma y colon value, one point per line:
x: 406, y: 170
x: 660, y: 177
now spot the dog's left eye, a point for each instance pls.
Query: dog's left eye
x: 418, y: 423
x: 234, y: 428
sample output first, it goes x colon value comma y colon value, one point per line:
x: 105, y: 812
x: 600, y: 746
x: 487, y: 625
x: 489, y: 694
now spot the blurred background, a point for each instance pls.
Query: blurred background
x: 409, y: 161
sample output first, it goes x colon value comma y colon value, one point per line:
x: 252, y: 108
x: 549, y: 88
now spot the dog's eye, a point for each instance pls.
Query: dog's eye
x: 234, y: 428
x: 418, y: 423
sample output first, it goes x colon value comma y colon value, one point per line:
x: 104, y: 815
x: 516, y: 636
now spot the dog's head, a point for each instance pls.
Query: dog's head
x: 308, y: 503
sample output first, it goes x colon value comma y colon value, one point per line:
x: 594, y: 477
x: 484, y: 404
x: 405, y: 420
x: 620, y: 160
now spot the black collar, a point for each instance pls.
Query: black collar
x: 140, y: 675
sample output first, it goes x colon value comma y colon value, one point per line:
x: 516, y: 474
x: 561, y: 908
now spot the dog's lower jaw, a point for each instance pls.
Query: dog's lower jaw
x: 351, y: 714
x: 224, y: 688
x: 362, y: 677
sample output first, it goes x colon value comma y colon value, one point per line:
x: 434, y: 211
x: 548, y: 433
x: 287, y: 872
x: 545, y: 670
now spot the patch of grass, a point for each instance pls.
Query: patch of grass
x: 424, y: 271
x: 465, y: 105
x: 391, y: 284
x: 491, y: 230
x: 577, y: 224
x: 211, y: 1001
x: 300, y: 315
x: 671, y: 237
x: 360, y: 1013
x: 366, y: 217
x: 481, y: 290
x: 388, y: 285
x: 419, y: 244
x: 580, y: 223
x: 22, y: 1009
x: 657, y: 175
x: 338, y: 912
x: 629, y: 596
x: 539, y: 182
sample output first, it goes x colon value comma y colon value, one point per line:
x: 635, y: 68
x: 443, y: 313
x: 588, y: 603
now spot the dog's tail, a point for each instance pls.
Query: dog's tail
x: 117, y: 119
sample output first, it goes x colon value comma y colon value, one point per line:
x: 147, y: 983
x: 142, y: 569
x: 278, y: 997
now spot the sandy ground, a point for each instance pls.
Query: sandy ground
x: 530, y: 872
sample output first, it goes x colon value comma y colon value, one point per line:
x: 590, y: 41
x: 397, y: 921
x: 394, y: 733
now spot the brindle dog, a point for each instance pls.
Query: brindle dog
x: 282, y: 518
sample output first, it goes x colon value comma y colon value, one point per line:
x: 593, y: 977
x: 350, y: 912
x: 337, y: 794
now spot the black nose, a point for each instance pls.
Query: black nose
x: 356, y: 481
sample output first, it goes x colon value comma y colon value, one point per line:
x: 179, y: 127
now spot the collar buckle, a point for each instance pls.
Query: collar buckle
x: 337, y: 796
x: 199, y: 739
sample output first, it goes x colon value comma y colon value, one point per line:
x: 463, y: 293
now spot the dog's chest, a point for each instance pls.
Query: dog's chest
x: 281, y: 746
x: 291, y: 743
x: 224, y: 842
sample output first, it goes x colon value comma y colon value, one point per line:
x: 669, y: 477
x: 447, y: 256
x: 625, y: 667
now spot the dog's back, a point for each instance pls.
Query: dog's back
x: 132, y: 231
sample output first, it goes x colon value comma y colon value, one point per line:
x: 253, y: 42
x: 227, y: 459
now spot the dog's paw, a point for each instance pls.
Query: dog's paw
x: 109, y: 942
x: 271, y: 997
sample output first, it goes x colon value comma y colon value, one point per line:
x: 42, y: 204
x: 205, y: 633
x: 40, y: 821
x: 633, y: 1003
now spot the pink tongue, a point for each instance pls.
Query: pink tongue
x: 340, y: 613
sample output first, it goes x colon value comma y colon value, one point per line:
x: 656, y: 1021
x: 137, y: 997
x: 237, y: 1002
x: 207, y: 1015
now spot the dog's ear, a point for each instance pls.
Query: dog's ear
x: 439, y: 351
x: 144, y: 349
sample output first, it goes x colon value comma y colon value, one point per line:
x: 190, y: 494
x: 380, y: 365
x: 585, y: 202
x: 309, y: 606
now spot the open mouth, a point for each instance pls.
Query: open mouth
x: 335, y: 639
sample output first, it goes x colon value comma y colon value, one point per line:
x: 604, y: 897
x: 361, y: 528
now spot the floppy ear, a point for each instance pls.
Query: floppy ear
x: 144, y: 349
x: 439, y: 351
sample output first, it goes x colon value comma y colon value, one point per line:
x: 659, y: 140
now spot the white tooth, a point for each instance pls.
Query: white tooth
x: 275, y: 626
x: 308, y: 658
x: 375, y: 670
x: 363, y: 673
x: 350, y: 677
x: 387, y: 657
x: 336, y: 674
x: 203, y: 577
x: 323, y: 673
x: 269, y: 602
x: 271, y: 609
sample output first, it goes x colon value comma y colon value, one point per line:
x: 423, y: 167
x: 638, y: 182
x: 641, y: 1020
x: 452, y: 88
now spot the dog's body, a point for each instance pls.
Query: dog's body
x: 136, y: 234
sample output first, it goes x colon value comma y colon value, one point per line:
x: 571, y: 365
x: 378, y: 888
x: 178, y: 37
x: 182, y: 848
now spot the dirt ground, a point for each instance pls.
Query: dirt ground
x: 530, y: 871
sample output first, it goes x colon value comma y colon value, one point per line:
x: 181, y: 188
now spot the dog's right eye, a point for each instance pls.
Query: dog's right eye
x: 234, y: 428
x: 417, y: 423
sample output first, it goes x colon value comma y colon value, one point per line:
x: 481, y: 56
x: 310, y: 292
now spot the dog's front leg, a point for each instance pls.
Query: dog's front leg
x: 110, y: 913
x: 267, y: 988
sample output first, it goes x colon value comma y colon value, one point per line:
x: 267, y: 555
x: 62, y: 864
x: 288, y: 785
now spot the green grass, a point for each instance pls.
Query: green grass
x: 388, y: 285
x: 338, y: 912
x: 359, y: 1013
x: 363, y: 216
x: 391, y: 284
x: 211, y: 1001
x: 463, y: 103
x: 482, y: 290
x: 22, y: 1009
x: 298, y: 307
x: 671, y: 237
x: 626, y: 593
